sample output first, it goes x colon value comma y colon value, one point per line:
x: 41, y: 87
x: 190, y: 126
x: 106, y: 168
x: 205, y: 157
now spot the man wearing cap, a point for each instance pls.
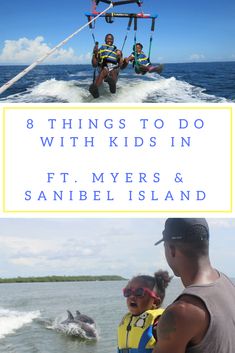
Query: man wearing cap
x: 202, y: 318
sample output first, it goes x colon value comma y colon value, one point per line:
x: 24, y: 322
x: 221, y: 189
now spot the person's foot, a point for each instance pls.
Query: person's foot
x: 111, y: 83
x: 93, y: 89
x: 157, y: 69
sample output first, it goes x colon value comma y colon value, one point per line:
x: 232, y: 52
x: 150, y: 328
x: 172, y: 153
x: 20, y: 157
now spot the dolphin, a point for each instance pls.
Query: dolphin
x: 69, y: 319
x: 83, y: 322
x: 84, y: 318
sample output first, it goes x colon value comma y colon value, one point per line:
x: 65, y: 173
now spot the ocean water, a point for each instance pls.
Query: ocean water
x: 30, y: 314
x: 179, y: 83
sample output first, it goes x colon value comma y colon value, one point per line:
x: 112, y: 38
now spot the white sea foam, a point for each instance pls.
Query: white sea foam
x: 73, y: 329
x: 11, y: 320
x: 80, y: 74
x: 62, y: 90
x: 162, y: 90
x: 152, y: 88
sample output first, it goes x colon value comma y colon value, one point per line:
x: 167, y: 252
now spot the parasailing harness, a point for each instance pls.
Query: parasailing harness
x: 133, y: 20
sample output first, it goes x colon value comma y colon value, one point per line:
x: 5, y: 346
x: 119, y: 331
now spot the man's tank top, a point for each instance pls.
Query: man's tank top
x: 219, y: 299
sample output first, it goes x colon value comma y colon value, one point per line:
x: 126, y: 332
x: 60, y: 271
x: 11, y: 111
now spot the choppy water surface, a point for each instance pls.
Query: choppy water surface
x: 179, y: 83
x: 31, y: 313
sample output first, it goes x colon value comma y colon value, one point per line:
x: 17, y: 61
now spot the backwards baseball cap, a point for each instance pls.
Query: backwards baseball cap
x: 185, y: 229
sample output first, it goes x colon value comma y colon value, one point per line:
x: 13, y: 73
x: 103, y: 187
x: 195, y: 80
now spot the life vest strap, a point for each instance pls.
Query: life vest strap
x: 135, y: 350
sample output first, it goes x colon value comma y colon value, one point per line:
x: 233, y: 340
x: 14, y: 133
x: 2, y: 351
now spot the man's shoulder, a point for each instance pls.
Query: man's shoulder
x: 186, y: 310
x: 185, y: 319
x: 182, y: 307
x: 187, y: 302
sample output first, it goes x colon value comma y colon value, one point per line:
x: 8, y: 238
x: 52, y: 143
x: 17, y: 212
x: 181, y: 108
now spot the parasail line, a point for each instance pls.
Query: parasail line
x: 39, y: 60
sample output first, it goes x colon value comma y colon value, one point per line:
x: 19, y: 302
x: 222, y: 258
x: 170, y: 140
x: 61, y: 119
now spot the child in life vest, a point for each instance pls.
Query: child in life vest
x: 140, y: 61
x: 144, y: 296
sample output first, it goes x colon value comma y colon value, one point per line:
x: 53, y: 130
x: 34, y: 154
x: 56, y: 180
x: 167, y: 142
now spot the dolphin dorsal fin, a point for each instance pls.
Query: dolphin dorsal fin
x: 70, y: 315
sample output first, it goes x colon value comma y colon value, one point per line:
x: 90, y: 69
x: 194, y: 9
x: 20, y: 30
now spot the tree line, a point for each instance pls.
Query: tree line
x: 61, y: 279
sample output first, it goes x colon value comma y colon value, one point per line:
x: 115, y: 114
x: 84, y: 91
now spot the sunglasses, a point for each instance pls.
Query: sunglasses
x: 138, y: 292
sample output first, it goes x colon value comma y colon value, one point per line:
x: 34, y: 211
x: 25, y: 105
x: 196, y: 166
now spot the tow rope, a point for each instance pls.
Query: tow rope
x: 38, y: 61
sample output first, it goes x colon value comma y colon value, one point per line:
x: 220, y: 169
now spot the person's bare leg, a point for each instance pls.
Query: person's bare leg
x: 100, y: 78
x: 93, y: 89
x: 112, y: 80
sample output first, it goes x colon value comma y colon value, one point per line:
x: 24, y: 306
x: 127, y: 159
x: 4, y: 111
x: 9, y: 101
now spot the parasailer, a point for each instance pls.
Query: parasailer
x: 140, y: 61
x: 108, y: 60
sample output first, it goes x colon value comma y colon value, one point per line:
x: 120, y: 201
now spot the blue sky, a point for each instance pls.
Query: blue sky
x: 186, y: 31
x: 31, y: 247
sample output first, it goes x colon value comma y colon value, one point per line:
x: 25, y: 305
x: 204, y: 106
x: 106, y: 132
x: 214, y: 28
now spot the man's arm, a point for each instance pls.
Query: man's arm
x: 184, y: 323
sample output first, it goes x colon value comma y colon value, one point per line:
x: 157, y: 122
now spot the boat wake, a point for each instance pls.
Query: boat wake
x: 11, y: 320
x: 130, y: 89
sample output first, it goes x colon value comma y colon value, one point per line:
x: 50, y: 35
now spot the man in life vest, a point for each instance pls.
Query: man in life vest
x: 108, y: 59
x: 141, y: 61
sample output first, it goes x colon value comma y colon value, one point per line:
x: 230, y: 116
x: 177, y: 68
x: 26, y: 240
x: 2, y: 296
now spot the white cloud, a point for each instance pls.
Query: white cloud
x: 68, y: 247
x: 222, y: 223
x: 26, y: 51
x: 197, y: 57
x: 97, y: 246
x: 15, y: 244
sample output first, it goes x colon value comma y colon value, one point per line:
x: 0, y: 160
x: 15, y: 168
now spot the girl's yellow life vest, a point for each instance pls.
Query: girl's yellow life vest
x: 135, y: 333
